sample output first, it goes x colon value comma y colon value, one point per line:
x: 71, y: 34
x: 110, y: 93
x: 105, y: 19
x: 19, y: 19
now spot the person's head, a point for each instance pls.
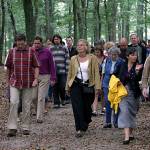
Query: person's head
x: 134, y: 39
x: 131, y: 55
x: 114, y: 53
x: 148, y: 43
x: 123, y: 43
x: 107, y: 46
x: 49, y: 42
x: 98, y: 51
x: 37, y: 42
x: 57, y: 39
x: 82, y: 46
x: 20, y: 41
x: 99, y: 44
x: 69, y: 41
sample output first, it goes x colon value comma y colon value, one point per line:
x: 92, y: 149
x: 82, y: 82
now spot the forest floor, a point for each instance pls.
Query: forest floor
x: 58, y: 132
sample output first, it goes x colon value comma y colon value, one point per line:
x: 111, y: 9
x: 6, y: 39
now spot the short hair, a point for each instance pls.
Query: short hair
x: 108, y: 45
x: 99, y: 42
x: 86, y: 43
x: 114, y: 49
x: 58, y: 36
x: 133, y: 34
x: 38, y: 38
x: 130, y: 50
x: 20, y: 37
x: 69, y: 37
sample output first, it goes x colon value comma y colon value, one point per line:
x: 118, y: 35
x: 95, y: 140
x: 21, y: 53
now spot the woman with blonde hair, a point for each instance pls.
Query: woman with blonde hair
x: 83, y: 70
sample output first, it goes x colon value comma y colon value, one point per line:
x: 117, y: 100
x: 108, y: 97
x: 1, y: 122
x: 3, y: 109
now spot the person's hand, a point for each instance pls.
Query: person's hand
x: 67, y: 92
x: 97, y: 92
x: 35, y: 82
x: 145, y: 92
x: 52, y: 83
x: 138, y: 67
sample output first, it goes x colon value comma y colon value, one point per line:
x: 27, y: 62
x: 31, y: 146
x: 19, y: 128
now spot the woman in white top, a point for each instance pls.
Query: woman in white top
x: 83, y: 69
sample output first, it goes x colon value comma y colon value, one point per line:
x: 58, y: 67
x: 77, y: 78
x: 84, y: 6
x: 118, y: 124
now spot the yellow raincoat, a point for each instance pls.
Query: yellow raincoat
x: 116, y: 92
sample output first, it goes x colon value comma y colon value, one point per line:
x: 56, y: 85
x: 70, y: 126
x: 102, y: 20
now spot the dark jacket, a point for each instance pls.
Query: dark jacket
x: 130, y: 78
x: 72, y: 52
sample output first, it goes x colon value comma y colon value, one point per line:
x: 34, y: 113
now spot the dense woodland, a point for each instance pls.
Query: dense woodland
x: 90, y: 19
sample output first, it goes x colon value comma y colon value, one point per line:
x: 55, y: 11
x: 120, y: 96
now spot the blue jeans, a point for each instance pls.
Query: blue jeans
x: 109, y: 109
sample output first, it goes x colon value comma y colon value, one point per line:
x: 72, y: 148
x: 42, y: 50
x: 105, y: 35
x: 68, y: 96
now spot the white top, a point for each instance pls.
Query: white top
x: 84, y: 69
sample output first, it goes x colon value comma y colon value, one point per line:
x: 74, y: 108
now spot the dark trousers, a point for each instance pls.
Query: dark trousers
x: 81, y: 105
x: 59, y: 89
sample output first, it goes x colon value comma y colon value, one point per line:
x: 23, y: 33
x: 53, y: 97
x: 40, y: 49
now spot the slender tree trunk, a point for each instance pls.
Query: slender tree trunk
x: 29, y: 20
x: 140, y: 22
x: 107, y: 28
x: 127, y: 26
x: 49, y: 8
x: 97, y: 20
x: 145, y: 13
x: 36, y: 10
x: 81, y: 16
x: 12, y: 18
x: 2, y: 30
x: 75, y: 22
x: 70, y: 20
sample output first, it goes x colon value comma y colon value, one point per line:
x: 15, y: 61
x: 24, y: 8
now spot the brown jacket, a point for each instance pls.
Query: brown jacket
x: 146, y: 73
x: 93, y: 72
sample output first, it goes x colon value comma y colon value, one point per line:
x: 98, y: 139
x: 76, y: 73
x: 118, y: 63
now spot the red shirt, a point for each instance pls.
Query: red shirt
x: 21, y: 64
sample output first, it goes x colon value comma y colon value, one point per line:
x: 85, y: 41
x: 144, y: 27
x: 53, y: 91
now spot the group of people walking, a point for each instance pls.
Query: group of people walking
x: 81, y: 74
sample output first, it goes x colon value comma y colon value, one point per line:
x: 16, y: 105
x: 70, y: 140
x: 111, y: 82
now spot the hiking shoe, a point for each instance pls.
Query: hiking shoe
x: 39, y: 121
x: 107, y: 125
x: 26, y: 132
x: 11, y: 132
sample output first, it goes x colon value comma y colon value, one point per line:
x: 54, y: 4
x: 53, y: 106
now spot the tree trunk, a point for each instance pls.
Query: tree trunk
x: 70, y: 21
x: 49, y: 9
x: 145, y: 13
x: 127, y: 26
x: 111, y: 12
x: 2, y: 30
x: 75, y: 22
x: 29, y: 20
x: 12, y: 18
x: 97, y: 20
x: 81, y: 15
x: 140, y: 22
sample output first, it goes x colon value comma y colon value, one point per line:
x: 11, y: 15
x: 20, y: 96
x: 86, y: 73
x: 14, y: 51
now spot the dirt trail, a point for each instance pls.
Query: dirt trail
x: 58, y: 133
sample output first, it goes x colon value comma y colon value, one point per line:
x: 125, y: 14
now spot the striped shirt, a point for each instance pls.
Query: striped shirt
x: 21, y: 64
x: 61, y: 58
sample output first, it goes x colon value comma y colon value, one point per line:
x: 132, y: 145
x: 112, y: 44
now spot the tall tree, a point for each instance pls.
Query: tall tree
x: 12, y: 18
x: 140, y: 21
x: 2, y: 30
x: 30, y: 23
x: 75, y: 21
x: 81, y: 12
x: 49, y: 9
x: 97, y: 20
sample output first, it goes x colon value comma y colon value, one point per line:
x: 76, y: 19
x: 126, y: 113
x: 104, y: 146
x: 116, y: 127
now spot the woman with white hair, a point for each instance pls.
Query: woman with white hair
x: 112, y: 66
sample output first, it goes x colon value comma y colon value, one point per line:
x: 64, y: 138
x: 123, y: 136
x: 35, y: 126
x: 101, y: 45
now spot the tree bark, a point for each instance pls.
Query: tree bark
x: 2, y: 31
x: 75, y: 22
x: 97, y: 20
x: 49, y: 9
x: 30, y: 24
x: 12, y: 18
x: 140, y: 21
